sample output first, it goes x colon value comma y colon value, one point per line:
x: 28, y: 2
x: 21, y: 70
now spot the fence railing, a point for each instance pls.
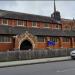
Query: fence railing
x: 33, y: 54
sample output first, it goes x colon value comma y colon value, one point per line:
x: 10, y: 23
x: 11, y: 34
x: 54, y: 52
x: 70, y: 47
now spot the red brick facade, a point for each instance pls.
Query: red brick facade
x: 15, y: 44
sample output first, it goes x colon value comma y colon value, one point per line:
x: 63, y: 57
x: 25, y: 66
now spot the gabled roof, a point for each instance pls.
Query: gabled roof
x: 35, y: 31
x: 25, y: 16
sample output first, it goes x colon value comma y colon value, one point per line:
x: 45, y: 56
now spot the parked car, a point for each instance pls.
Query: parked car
x: 72, y: 54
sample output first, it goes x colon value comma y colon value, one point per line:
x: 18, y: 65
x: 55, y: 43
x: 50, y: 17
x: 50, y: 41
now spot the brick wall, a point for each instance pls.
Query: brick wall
x: 59, y: 44
x: 6, y: 46
x: 66, y: 25
x: 13, y: 22
x: 39, y: 45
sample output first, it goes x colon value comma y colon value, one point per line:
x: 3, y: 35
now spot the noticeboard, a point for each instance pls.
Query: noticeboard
x: 51, y: 43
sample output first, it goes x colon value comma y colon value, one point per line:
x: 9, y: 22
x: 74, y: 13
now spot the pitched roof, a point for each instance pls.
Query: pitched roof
x: 35, y: 31
x: 69, y: 20
x: 5, y: 29
x: 25, y: 16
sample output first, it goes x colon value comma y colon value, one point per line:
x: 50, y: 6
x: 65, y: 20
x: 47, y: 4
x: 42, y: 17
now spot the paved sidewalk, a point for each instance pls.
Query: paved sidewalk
x: 34, y: 61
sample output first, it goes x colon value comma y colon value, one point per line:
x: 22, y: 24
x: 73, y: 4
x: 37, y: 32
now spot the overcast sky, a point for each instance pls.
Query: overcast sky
x: 66, y: 8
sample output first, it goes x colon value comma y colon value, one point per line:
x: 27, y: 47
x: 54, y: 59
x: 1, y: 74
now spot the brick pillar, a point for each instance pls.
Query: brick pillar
x: 61, y: 42
x: 48, y: 39
x: 73, y: 42
x: 16, y: 42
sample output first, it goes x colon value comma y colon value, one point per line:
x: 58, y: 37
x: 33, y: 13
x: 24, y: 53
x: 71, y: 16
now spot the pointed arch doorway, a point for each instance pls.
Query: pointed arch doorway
x: 25, y: 41
x: 26, y: 45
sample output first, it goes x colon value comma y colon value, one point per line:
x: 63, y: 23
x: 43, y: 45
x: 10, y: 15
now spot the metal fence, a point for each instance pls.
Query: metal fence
x: 33, y: 54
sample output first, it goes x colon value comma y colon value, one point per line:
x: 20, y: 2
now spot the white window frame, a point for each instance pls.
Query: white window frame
x: 18, y: 24
x: 3, y: 23
x: 40, y: 41
x: 35, y: 25
x: 66, y: 40
x: 46, y: 27
x: 5, y: 40
x: 57, y: 28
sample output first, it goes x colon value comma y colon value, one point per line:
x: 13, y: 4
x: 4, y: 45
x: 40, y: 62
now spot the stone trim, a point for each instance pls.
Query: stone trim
x: 25, y: 36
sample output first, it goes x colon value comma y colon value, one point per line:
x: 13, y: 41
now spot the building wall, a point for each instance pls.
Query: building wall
x: 65, y: 25
x: 29, y: 23
x: 13, y: 22
x: 60, y: 44
x: 40, y: 45
x: 6, y: 46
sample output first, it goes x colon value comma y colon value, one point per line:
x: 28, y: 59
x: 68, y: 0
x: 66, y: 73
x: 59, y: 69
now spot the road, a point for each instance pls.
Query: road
x: 53, y: 68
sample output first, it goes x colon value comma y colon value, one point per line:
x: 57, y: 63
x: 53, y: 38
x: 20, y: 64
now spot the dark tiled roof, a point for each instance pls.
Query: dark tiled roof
x: 25, y: 16
x: 70, y: 20
x: 5, y: 29
x: 35, y: 31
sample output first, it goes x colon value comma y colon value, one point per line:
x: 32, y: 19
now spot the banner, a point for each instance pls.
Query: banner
x: 51, y: 43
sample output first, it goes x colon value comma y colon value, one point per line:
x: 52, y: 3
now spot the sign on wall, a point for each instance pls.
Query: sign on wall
x: 51, y: 43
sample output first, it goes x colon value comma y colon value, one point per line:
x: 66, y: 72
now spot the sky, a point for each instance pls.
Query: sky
x: 45, y: 8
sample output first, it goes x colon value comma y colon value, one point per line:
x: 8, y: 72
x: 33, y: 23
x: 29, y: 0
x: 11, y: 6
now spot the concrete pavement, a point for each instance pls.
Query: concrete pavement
x: 53, y: 68
x: 34, y: 61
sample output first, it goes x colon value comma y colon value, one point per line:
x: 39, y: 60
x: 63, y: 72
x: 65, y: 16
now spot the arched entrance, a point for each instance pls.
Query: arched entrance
x: 26, y: 45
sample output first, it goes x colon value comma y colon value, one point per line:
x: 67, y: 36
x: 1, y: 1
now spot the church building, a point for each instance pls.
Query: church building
x: 30, y: 32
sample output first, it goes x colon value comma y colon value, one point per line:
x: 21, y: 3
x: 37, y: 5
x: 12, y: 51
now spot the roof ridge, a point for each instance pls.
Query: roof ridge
x: 24, y: 13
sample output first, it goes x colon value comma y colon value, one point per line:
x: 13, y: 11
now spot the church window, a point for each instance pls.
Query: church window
x: 54, y: 39
x: 40, y: 39
x: 4, y: 39
x: 4, y: 21
x: 66, y: 39
x: 20, y: 23
x: 46, y: 25
x: 34, y: 24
